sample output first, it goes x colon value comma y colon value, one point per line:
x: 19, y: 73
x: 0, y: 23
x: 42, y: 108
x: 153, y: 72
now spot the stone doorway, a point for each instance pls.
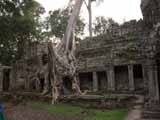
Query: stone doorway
x: 41, y: 80
x: 6, y: 79
x: 158, y: 72
x: 121, y: 78
x: 138, y: 77
x: 66, y: 87
x: 86, y: 81
x: 102, y: 80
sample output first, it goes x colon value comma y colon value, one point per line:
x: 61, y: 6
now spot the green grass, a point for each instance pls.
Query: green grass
x: 63, y: 108
x: 115, y: 114
x: 92, y: 114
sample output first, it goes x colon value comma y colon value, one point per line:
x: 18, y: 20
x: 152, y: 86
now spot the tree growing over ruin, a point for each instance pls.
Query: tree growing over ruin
x: 61, y: 59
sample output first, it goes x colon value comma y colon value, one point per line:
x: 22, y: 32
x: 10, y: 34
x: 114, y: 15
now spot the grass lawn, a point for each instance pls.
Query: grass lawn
x: 115, y: 114
x: 92, y: 114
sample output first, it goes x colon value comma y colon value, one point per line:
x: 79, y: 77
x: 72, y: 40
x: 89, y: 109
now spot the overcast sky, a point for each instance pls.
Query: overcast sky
x: 119, y: 10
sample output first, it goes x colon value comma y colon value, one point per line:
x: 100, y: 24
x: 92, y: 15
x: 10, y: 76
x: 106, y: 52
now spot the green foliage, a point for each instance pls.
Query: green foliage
x: 58, y: 20
x: 19, y: 23
x: 103, y: 25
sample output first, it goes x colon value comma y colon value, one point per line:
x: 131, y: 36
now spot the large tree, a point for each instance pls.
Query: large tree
x: 58, y: 20
x: 62, y: 61
x: 19, y: 23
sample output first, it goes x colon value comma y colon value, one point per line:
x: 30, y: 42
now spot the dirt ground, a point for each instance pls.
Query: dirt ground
x: 27, y: 112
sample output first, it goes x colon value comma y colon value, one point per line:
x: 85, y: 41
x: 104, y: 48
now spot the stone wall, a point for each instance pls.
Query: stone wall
x: 26, y: 69
x: 102, y: 50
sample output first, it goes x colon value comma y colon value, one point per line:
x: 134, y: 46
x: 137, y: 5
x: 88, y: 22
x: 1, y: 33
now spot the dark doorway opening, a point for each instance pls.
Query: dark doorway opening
x: 41, y: 80
x: 121, y: 78
x: 86, y: 81
x: 66, y: 86
x: 102, y: 80
x: 158, y: 71
x: 138, y: 77
x: 6, y: 79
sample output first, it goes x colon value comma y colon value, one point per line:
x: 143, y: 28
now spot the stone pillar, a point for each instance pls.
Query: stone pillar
x: 156, y: 84
x: 145, y: 78
x: 131, y: 78
x: 153, y: 83
x: 111, y: 78
x: 27, y: 75
x: 1, y: 78
x: 95, y: 82
x: 13, y: 78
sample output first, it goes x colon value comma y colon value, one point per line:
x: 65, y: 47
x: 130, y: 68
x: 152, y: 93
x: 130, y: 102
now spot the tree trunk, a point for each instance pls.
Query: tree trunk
x: 90, y: 17
x: 62, y: 61
x: 71, y: 25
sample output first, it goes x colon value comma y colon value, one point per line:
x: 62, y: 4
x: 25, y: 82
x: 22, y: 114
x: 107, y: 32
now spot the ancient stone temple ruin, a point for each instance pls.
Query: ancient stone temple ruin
x: 124, y: 60
x: 113, y: 62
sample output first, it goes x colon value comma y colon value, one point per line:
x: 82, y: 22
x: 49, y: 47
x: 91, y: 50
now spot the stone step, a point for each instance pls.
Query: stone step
x: 157, y: 108
x: 151, y: 112
x: 149, y: 119
x: 151, y: 115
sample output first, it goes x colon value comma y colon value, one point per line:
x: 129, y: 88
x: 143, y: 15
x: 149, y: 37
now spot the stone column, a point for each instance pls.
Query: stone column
x: 1, y: 78
x: 153, y: 83
x: 95, y: 82
x: 145, y: 77
x: 156, y: 84
x: 131, y: 78
x: 13, y: 78
x: 111, y: 78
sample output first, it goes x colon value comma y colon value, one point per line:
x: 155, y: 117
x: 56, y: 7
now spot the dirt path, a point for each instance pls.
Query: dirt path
x: 27, y: 112
x: 136, y: 112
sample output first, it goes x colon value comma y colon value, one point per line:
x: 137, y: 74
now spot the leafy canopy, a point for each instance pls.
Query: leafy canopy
x: 58, y: 20
x: 19, y: 23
